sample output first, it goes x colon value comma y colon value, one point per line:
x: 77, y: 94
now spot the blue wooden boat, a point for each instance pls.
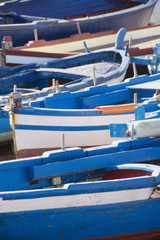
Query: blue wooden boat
x: 94, y: 16
x: 83, y: 193
x: 80, y: 115
x: 75, y: 164
x: 114, y: 208
x: 110, y: 65
x: 140, y: 84
x: 88, y: 98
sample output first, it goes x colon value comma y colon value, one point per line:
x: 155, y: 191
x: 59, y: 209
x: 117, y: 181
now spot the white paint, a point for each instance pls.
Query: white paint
x: 52, y: 139
x: 147, y: 128
x: 101, y: 41
x: 26, y: 59
x: 103, y: 119
x: 92, y: 199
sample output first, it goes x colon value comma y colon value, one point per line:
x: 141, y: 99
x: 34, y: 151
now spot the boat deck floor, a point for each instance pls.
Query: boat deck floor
x: 148, y: 85
x: 85, y: 70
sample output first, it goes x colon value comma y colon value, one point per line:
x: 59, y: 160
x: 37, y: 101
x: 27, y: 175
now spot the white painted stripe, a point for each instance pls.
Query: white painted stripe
x: 92, y: 199
x: 71, y: 120
x: 26, y: 59
x: 52, y: 139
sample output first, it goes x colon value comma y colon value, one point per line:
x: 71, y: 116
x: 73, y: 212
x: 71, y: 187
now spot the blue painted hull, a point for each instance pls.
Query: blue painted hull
x: 57, y: 29
x: 62, y: 9
x: 24, y: 173
x: 124, y: 205
x: 108, y: 222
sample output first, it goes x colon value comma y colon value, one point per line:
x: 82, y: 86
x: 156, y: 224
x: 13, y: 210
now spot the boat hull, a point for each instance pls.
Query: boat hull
x: 57, y: 29
x: 111, y: 221
x: 79, y: 130
x: 46, y: 131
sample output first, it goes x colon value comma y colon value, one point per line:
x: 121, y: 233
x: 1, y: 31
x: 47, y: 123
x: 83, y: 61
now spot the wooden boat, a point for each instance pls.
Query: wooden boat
x: 87, y: 98
x: 142, y: 38
x: 65, y: 162
x: 80, y: 115
x: 140, y: 84
x: 17, y: 56
x: 82, y: 189
x: 130, y: 192
x: 142, y: 44
x: 110, y: 66
x: 41, y: 51
x: 104, y: 16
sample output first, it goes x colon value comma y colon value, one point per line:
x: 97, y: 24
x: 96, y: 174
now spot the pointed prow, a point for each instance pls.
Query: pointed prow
x: 120, y: 38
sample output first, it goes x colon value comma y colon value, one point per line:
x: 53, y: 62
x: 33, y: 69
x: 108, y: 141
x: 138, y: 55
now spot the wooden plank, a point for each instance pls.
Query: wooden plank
x: 91, y: 163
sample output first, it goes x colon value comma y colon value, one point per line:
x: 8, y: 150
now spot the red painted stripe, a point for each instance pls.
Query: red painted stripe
x: 125, y: 173
x: 77, y: 37
x: 149, y: 235
x: 136, y: 51
x: 37, y: 54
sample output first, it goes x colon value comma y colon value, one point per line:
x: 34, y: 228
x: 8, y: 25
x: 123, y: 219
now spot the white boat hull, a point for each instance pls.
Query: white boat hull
x: 46, y: 131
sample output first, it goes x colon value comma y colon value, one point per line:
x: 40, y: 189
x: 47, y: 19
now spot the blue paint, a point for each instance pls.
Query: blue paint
x: 61, y: 128
x: 75, y: 164
x: 118, y: 130
x: 58, y: 112
x: 140, y: 113
x: 93, y: 187
x: 85, y: 222
x: 92, y: 163
x: 90, y: 219
x: 86, y: 48
x: 127, y: 48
